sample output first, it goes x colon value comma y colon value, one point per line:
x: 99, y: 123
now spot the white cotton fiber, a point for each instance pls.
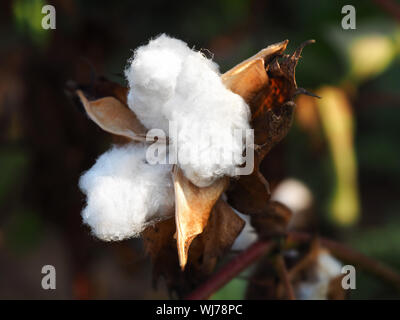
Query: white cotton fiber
x: 294, y: 194
x: 316, y: 286
x: 170, y: 83
x: 247, y: 236
x: 125, y: 193
x: 152, y: 79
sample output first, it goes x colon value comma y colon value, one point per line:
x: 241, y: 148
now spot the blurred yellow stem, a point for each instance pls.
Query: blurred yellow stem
x: 337, y: 120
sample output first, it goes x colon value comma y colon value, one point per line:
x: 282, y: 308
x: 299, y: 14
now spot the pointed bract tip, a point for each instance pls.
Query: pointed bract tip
x: 307, y: 93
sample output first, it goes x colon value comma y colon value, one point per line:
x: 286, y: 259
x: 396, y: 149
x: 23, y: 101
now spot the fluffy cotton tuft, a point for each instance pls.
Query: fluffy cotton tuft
x: 125, y: 193
x: 152, y: 78
x: 169, y: 82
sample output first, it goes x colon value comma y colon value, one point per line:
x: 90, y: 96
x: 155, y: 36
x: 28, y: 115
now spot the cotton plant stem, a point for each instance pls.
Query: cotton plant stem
x: 348, y: 255
x: 232, y: 269
x: 263, y: 247
x: 391, y: 7
x: 283, y: 274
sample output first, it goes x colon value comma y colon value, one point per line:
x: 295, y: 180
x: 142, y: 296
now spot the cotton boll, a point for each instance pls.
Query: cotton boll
x: 299, y: 199
x: 207, y: 115
x: 171, y: 83
x: 125, y: 194
x: 294, y: 194
x: 316, y: 286
x: 152, y: 79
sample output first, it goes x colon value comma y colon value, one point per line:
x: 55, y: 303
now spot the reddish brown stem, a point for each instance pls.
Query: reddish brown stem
x: 283, y: 274
x: 390, y: 7
x: 349, y: 255
x: 232, y: 269
x: 263, y: 247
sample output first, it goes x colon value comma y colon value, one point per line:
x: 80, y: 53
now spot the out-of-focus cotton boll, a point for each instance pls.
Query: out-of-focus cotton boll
x: 294, y: 194
x: 125, y: 193
x: 316, y: 286
x: 186, y: 89
x: 298, y: 198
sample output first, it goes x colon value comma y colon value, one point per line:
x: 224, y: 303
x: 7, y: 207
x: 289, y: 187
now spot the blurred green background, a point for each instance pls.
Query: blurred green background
x: 345, y: 147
